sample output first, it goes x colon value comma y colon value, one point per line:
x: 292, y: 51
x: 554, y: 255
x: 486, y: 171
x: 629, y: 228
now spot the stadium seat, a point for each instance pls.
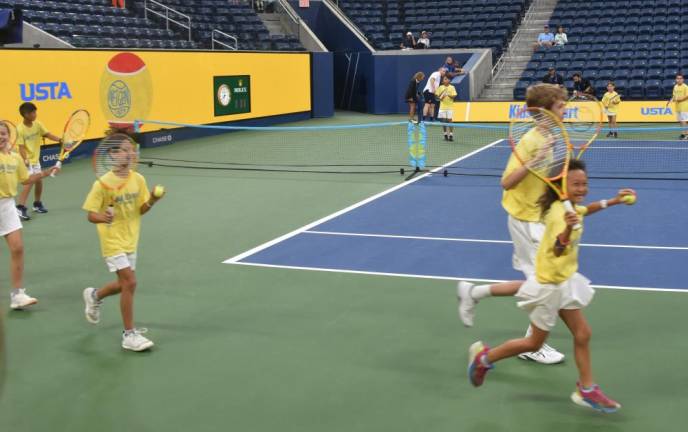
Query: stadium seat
x: 636, y: 89
x: 653, y: 89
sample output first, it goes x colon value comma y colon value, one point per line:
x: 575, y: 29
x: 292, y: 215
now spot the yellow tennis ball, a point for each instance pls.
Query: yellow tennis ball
x: 158, y: 191
x: 628, y: 199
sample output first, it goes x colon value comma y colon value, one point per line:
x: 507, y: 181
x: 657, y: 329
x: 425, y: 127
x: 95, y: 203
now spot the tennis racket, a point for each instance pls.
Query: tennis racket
x: 585, y: 121
x: 114, y: 160
x: 540, y: 142
x: 74, y: 133
x: 12, y: 136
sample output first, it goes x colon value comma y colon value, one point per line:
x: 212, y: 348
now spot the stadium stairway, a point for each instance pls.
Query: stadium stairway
x: 510, y: 66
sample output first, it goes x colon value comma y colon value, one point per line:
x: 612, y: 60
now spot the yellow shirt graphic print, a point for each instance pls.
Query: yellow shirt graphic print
x: 122, y: 236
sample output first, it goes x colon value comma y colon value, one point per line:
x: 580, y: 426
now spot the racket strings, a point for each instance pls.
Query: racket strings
x: 114, y: 160
x: 76, y: 129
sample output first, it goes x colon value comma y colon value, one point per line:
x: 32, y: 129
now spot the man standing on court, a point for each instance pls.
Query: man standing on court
x: 434, y: 81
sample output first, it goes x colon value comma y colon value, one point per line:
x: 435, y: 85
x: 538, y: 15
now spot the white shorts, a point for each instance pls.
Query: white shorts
x: 445, y: 114
x: 609, y: 113
x: 121, y: 261
x: 682, y: 116
x: 9, y: 219
x: 544, y: 301
x: 526, y: 237
x: 34, y: 168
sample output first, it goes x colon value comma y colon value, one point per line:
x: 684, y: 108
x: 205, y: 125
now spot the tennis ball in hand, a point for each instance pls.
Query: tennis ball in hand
x: 158, y: 191
x: 628, y: 199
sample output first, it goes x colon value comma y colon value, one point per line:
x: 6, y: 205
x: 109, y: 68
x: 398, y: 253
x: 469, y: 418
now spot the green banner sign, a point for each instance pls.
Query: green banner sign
x: 232, y: 94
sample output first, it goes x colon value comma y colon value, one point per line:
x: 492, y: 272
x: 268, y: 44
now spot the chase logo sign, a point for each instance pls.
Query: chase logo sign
x: 518, y: 111
x: 119, y: 99
x: 41, y: 91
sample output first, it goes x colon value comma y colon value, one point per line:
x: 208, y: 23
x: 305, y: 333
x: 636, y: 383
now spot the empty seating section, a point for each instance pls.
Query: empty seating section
x: 95, y: 23
x: 640, y: 45
x: 452, y: 24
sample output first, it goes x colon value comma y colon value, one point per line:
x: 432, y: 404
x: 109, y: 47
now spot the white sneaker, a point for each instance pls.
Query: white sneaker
x: 92, y: 310
x: 21, y: 300
x: 135, y: 341
x: 546, y: 355
x: 466, y: 303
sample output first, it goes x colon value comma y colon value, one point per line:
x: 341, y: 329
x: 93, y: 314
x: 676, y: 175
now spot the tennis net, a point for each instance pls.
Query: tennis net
x: 392, y: 147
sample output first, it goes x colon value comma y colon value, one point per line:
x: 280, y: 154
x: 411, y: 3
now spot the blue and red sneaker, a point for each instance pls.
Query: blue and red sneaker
x: 477, y: 365
x: 594, y: 399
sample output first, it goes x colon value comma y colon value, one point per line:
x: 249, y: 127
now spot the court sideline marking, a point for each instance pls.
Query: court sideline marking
x: 237, y: 258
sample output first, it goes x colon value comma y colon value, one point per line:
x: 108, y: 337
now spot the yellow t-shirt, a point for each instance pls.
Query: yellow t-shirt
x: 31, y: 138
x: 122, y: 236
x: 12, y: 171
x: 611, y: 101
x: 553, y: 269
x: 521, y: 201
x: 681, y: 91
x: 447, y: 102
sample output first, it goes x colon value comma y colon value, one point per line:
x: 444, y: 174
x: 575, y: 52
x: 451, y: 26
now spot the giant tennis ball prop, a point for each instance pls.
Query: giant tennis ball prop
x: 126, y: 90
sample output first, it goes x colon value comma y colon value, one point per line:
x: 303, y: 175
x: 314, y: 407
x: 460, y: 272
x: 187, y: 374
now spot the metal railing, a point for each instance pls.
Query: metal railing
x: 226, y: 45
x: 293, y: 21
x: 165, y: 14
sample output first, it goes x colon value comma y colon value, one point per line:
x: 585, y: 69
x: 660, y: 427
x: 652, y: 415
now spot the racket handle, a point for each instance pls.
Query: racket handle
x: 569, y: 208
x: 58, y: 165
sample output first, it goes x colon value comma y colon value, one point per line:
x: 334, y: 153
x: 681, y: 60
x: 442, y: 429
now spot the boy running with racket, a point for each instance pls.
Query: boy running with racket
x: 610, y: 102
x: 117, y: 215
x: 522, y: 190
x: 446, y: 94
x: 556, y: 289
x: 12, y: 172
x: 30, y: 134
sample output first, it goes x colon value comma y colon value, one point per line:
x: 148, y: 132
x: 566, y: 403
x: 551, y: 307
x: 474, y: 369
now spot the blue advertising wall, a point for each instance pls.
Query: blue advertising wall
x: 322, y: 84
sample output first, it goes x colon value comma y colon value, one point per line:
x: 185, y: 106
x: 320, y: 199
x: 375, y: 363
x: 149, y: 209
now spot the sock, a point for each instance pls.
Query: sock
x: 17, y: 291
x: 129, y: 332
x: 480, y: 291
x: 94, y: 295
x: 588, y: 389
x: 484, y: 361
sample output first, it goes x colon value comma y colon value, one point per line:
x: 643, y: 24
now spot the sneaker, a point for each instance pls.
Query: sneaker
x: 92, y: 310
x: 684, y: 137
x: 446, y: 138
x: 476, y: 369
x: 21, y: 300
x: 23, y: 213
x: 616, y: 134
x: 546, y: 355
x: 135, y: 341
x: 594, y: 399
x: 610, y: 134
x: 451, y: 137
x: 466, y: 303
x: 38, y: 207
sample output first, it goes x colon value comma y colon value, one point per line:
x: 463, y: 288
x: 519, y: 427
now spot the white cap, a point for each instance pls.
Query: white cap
x: 409, y: 34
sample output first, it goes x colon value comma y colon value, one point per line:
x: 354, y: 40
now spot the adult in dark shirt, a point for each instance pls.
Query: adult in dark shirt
x: 412, y: 95
x: 452, y: 68
x: 553, y: 77
x: 408, y: 42
x: 582, y: 86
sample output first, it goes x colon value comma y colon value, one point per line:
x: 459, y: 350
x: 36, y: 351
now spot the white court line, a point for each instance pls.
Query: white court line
x: 416, y: 276
x: 466, y: 240
x: 235, y: 259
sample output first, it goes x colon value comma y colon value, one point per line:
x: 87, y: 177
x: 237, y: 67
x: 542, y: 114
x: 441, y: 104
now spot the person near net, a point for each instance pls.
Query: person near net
x: 452, y: 69
x: 521, y: 192
x: 412, y: 95
x: 582, y: 86
x: 610, y: 102
x: 423, y: 41
x: 30, y: 134
x: 434, y: 81
x: 680, y: 98
x: 117, y: 215
x: 553, y: 77
x: 445, y: 94
x: 12, y: 172
x: 408, y: 42
x: 556, y: 289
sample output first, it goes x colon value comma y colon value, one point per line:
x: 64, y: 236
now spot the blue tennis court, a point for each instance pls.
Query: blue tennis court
x: 453, y: 227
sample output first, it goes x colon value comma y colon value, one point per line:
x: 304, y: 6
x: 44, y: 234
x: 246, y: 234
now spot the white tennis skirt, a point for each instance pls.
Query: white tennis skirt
x: 9, y: 219
x: 544, y: 301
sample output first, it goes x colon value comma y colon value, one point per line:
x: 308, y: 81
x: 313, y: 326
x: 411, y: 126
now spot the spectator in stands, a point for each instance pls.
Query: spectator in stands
x: 259, y: 6
x: 429, y: 93
x: 452, y: 68
x: 118, y: 4
x: 553, y: 77
x: 545, y: 39
x: 582, y: 86
x: 408, y: 42
x: 423, y: 41
x: 413, y: 94
x: 560, y: 39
